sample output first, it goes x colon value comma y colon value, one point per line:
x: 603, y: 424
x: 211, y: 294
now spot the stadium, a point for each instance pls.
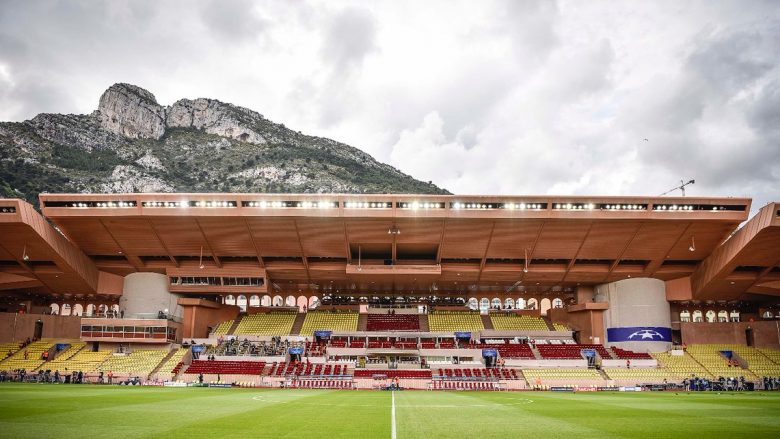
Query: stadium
x: 497, y: 307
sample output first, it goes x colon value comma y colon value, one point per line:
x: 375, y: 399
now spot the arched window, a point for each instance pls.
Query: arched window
x: 509, y: 303
x: 90, y: 310
x: 230, y: 300
x: 767, y: 314
x: 520, y: 303
x: 710, y: 316
x: 55, y: 309
x: 697, y: 316
x: 78, y: 310
x: 557, y: 303
x: 103, y: 310
x: 314, y: 302
x: 278, y: 301
x: 241, y: 302
x: 290, y: 301
x: 496, y: 303
x: 734, y: 315
x: 484, y: 304
x: 65, y: 309
x: 532, y: 304
x: 302, y: 301
x: 545, y: 306
x: 254, y: 301
x: 473, y: 304
x: 685, y: 316
x: 723, y: 316
x: 265, y: 301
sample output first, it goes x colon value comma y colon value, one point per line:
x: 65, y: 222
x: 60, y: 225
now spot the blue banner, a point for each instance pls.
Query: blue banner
x: 295, y: 351
x: 489, y: 353
x: 198, y: 348
x: 589, y: 352
x: 462, y: 335
x: 639, y: 333
x: 322, y: 333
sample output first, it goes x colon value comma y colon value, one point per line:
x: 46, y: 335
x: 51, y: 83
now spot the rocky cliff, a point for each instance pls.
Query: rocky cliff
x: 131, y: 143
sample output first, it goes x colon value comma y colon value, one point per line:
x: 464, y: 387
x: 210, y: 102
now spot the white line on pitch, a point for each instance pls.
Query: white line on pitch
x: 392, y: 417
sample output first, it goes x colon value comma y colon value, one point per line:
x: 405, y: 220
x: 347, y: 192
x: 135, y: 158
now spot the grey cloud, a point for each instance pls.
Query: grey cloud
x: 349, y: 38
x: 233, y: 20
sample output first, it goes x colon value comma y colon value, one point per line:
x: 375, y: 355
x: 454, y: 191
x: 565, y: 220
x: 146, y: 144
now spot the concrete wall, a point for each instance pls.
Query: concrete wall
x: 199, y: 315
x: 636, y: 302
x: 18, y: 327
x: 147, y: 293
x: 766, y: 334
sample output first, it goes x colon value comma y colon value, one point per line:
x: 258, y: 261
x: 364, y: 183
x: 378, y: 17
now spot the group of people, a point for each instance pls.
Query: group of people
x: 233, y: 347
x: 771, y: 383
x: 696, y: 384
x: 42, y: 376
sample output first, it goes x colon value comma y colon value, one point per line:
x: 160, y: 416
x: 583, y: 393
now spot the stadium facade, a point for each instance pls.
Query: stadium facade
x: 388, y: 280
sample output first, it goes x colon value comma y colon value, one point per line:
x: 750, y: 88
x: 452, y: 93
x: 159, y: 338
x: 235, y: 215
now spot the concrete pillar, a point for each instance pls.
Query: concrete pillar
x: 584, y: 294
x: 638, y: 317
x: 147, y: 293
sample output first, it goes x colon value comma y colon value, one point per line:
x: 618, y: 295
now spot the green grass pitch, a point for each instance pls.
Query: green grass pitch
x: 66, y: 411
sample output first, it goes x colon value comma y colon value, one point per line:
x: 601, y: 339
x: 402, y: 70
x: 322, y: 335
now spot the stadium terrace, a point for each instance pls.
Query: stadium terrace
x: 396, y: 291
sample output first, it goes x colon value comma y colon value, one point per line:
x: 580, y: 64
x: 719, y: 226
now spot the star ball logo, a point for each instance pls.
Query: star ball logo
x: 646, y: 334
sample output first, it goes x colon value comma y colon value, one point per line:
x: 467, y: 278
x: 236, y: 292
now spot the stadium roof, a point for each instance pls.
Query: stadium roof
x: 393, y: 243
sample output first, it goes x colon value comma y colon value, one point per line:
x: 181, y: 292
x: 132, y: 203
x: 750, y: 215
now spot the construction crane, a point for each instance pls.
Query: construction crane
x: 681, y: 187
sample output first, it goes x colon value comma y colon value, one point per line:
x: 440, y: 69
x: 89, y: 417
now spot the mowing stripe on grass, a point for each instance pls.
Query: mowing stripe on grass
x: 392, y: 417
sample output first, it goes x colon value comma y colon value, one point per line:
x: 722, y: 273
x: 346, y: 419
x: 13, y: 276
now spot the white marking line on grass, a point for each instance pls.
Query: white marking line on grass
x: 392, y: 416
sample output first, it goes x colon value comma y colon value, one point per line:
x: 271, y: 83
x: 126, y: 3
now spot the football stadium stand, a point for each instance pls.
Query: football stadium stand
x: 331, y: 321
x: 711, y: 357
x: 396, y: 322
x: 223, y: 328
x: 511, y: 321
x: 569, y: 351
x: 623, y: 354
x: 427, y: 309
x: 7, y: 349
x: 226, y: 367
x: 83, y: 360
x: 29, y: 357
x: 139, y: 362
x: 450, y: 321
x: 272, y: 323
x: 535, y: 376
x: 681, y: 366
x: 176, y: 357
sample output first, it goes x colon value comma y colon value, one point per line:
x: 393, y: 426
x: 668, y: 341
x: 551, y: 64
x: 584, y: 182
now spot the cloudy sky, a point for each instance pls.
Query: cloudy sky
x: 510, y: 97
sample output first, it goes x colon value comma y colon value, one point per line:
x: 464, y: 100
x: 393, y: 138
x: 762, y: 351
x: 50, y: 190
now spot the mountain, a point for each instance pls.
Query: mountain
x: 133, y: 144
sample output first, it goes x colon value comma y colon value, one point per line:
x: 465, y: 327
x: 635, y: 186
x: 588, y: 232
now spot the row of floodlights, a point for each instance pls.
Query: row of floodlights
x: 512, y: 206
x: 184, y: 204
x: 413, y: 205
x: 105, y: 204
x: 674, y: 207
x: 8, y: 209
x: 301, y: 204
x: 625, y: 207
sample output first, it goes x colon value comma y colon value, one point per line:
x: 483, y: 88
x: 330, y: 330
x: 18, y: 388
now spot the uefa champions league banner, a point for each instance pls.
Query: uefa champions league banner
x: 639, y: 333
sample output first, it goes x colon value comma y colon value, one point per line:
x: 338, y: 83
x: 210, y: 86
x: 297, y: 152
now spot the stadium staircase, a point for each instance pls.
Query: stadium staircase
x: 604, y: 375
x: 298, y: 324
x: 163, y: 361
x: 362, y: 322
x: 549, y: 323
x: 234, y: 325
x: 72, y: 350
x: 424, y: 323
x: 537, y: 354
x: 486, y: 322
